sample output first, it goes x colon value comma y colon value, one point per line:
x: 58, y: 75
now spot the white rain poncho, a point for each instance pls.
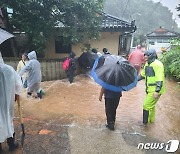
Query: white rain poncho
x: 33, y: 68
x: 10, y: 84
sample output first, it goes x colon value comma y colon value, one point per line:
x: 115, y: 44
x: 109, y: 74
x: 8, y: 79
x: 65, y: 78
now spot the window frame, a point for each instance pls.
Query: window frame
x: 61, y: 46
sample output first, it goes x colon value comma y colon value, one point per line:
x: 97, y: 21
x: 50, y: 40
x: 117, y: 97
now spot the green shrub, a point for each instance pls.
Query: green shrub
x: 171, y: 60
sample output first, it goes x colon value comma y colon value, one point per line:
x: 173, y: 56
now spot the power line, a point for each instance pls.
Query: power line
x: 125, y: 8
x: 155, y: 8
x: 150, y: 14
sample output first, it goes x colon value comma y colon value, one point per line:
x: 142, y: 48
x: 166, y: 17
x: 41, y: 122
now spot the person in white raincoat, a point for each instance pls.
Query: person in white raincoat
x: 10, y: 85
x: 33, y: 68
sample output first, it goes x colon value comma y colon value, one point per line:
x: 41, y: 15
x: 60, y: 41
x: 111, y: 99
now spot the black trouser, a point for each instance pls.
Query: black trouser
x: 111, y: 105
x: 70, y: 75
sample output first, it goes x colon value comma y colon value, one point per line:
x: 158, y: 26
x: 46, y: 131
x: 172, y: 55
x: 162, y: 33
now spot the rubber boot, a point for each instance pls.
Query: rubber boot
x: 13, y: 145
x: 39, y: 95
x: 145, y: 116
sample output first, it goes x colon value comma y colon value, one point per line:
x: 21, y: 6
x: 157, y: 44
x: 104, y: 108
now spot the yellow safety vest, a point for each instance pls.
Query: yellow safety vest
x: 153, y: 73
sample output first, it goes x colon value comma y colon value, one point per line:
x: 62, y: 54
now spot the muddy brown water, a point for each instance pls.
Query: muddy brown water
x: 65, y: 104
x: 79, y: 102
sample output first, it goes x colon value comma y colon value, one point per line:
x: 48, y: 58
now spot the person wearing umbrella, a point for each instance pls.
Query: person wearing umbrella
x: 10, y: 88
x: 153, y: 72
x: 114, y: 74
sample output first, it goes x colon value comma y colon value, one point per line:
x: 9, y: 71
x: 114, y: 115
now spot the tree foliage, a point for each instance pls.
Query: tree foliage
x: 40, y: 18
x: 171, y: 60
x: 148, y: 15
x: 178, y: 9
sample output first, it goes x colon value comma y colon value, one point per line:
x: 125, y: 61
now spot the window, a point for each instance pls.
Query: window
x: 62, y: 45
x: 166, y: 41
x: 159, y: 40
x: 151, y: 42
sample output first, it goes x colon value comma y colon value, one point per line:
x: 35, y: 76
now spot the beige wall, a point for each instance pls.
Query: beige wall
x: 50, y: 53
x: 107, y: 40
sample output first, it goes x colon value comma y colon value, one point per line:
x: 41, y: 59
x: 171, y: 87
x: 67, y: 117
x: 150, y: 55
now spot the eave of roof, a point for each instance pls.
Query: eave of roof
x: 111, y: 23
x: 162, y: 32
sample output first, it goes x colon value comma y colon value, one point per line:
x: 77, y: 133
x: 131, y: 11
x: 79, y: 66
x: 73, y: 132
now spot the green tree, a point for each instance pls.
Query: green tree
x: 178, y: 9
x: 171, y: 60
x: 148, y: 15
x: 75, y: 19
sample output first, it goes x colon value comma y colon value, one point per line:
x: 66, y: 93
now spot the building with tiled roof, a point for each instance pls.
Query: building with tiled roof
x: 160, y: 39
x: 115, y: 36
x: 111, y: 23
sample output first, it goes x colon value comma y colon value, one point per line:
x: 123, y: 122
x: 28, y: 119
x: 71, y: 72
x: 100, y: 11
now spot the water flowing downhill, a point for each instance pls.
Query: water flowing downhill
x: 78, y: 107
x: 80, y: 100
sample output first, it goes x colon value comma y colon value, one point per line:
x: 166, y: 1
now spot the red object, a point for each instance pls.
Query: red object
x: 136, y: 58
x: 66, y: 64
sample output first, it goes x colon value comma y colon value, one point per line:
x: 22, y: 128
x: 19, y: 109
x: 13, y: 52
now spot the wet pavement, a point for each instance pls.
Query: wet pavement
x: 70, y: 120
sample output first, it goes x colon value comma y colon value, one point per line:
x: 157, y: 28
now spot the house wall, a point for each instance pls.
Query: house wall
x: 109, y: 40
x: 158, y: 44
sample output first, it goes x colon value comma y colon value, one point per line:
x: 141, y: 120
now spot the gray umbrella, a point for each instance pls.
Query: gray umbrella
x: 4, y: 35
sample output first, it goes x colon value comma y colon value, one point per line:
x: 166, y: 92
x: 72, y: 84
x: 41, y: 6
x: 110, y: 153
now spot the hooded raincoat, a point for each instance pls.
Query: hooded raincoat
x: 152, y: 73
x: 10, y: 84
x: 33, y: 68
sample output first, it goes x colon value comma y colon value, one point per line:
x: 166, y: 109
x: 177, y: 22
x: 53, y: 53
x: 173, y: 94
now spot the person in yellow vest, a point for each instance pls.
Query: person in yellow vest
x: 153, y: 72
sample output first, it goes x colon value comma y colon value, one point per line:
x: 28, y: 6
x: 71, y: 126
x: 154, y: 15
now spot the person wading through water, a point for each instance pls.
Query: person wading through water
x: 153, y: 72
x: 10, y: 88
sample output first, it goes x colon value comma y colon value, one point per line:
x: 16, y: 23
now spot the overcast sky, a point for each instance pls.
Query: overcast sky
x: 171, y: 4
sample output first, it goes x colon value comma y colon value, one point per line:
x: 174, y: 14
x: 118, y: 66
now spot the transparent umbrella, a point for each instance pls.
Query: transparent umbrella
x: 4, y: 35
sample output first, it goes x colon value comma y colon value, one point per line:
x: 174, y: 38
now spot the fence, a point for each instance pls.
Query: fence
x: 51, y: 68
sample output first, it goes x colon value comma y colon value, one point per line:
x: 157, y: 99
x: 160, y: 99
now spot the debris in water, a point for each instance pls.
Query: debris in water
x: 44, y: 132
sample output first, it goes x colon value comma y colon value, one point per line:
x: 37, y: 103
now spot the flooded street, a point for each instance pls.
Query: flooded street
x: 74, y: 119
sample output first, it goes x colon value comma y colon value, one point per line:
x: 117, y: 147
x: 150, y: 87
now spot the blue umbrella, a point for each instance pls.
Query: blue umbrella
x: 114, y: 73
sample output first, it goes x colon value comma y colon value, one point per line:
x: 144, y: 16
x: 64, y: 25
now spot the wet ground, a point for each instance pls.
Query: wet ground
x: 70, y: 120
